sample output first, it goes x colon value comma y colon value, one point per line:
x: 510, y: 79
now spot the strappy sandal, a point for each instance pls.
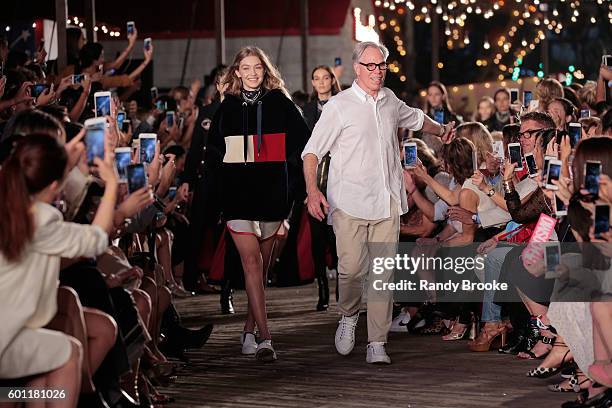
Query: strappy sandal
x: 545, y: 372
x: 574, y: 384
x: 536, y: 324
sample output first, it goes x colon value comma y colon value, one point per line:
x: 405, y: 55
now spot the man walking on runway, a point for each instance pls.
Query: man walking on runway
x: 365, y: 189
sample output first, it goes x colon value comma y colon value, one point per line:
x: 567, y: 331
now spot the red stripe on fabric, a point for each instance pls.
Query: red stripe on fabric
x: 272, y: 148
x: 306, y: 268
x: 217, y: 268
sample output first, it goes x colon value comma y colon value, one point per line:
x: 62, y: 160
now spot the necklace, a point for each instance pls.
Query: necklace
x: 251, y: 96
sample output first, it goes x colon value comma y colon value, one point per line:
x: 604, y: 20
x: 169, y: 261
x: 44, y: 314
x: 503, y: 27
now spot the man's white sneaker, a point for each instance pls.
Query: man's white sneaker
x: 265, y: 352
x: 249, y: 343
x: 345, y: 334
x: 376, y: 353
x: 400, y: 323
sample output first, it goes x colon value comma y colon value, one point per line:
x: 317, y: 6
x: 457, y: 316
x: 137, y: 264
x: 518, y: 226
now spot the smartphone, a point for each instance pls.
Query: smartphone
x: 77, y: 79
x: 516, y: 155
x: 147, y: 44
x: 527, y: 98
x: 601, y: 222
x: 553, y: 173
x: 172, y: 193
x: 410, y: 154
x: 498, y: 149
x: 475, y: 167
x: 606, y: 60
x: 147, y: 147
x: 575, y: 131
x: 38, y: 89
x: 102, y: 102
x: 439, y: 116
x: 94, y: 138
x: 170, y: 118
x: 1, y: 68
x: 514, y: 95
x: 181, y: 122
x: 532, y: 167
x: 547, y: 159
x: 585, y: 113
x: 154, y: 93
x: 136, y: 177
x: 552, y: 258
x: 560, y: 207
x: 337, y: 61
x: 123, y: 158
x: 126, y: 125
x: 120, y: 118
x: 592, y: 171
x: 130, y: 27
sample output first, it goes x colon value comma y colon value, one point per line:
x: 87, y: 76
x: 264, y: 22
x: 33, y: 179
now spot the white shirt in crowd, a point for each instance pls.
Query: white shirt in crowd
x: 361, y: 135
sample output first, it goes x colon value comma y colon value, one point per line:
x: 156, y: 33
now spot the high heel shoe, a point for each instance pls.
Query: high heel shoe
x: 456, y: 334
x: 575, y: 383
x: 545, y: 372
x: 491, y: 335
x: 534, y: 337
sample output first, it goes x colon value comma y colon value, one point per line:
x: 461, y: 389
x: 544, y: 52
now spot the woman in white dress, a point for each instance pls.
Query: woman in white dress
x: 33, y: 239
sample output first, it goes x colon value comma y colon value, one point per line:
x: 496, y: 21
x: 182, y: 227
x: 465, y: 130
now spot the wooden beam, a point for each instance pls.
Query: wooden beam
x: 304, y: 42
x: 90, y: 20
x: 61, y: 14
x: 220, y: 31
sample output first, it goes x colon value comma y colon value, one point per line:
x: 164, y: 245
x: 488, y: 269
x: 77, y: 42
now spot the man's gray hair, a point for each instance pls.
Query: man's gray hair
x: 362, y: 46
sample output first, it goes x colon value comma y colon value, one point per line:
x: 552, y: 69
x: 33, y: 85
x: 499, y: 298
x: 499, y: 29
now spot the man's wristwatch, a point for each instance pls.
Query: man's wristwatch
x: 442, y: 130
x: 491, y: 193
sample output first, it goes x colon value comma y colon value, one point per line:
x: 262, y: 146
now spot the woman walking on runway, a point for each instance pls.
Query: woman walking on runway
x: 256, y: 138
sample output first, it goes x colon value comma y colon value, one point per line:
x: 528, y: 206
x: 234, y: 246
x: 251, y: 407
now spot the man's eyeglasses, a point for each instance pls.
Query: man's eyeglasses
x: 372, y: 66
x: 528, y: 134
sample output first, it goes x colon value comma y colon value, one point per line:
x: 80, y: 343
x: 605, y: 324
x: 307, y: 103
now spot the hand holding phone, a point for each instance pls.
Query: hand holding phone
x: 147, y: 147
x: 592, y: 173
x: 553, y: 173
x: 95, y: 130
x: 410, y: 154
x: 137, y: 177
x: 601, y: 220
x: 515, y: 153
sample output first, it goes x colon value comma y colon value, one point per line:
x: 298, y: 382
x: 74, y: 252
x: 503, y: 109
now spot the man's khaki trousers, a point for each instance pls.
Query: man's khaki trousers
x: 358, y: 242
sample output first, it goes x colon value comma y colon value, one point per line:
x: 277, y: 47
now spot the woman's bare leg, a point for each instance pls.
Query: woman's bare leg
x: 101, y: 336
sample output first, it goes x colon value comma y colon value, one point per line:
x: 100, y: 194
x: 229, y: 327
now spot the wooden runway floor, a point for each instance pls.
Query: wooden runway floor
x: 426, y: 371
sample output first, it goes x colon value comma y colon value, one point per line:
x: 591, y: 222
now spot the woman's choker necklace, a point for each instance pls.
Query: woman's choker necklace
x: 251, y: 96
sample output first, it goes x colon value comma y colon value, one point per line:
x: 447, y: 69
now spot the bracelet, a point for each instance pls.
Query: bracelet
x: 508, y: 187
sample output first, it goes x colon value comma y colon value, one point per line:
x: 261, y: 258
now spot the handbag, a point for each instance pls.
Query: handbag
x: 322, y: 173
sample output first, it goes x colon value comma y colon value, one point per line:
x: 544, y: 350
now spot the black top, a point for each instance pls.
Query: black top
x: 255, y: 148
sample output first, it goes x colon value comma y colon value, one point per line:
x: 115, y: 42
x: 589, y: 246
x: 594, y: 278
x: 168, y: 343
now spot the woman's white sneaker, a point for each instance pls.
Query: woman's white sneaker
x: 265, y: 352
x: 345, y: 334
x: 249, y: 343
x: 376, y: 353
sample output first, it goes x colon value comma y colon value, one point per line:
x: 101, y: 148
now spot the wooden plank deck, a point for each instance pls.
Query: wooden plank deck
x: 426, y: 371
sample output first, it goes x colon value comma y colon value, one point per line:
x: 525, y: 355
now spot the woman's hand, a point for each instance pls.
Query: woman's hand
x: 565, y: 191
x: 605, y: 188
x: 536, y: 268
x: 565, y: 148
x: 64, y: 84
x: 552, y: 148
x: 478, y: 180
x: 409, y: 184
x: 487, y: 246
x: 47, y: 97
x: 420, y: 171
x: 154, y: 167
x: 509, y: 170
x: 136, y: 202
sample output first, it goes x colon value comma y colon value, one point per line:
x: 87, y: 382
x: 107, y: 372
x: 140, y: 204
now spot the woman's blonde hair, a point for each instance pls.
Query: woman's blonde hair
x: 272, y: 77
x: 478, y: 134
x: 487, y: 99
x: 547, y: 90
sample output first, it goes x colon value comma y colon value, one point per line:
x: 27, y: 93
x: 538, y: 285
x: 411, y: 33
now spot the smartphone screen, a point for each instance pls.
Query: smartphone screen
x: 575, y: 131
x: 147, y: 44
x: 170, y: 119
x: 560, y: 208
x: 123, y: 159
x: 120, y: 119
x: 553, y: 257
x: 602, y: 219
x: 130, y: 27
x: 172, y: 193
x: 77, y: 79
x: 147, y: 149
x: 532, y: 167
x: 94, y: 141
x: 527, y: 98
x: 498, y: 148
x: 585, y: 113
x: 545, y: 169
x: 439, y: 116
x: 554, y: 172
x: 103, y: 105
x: 592, y: 171
x: 410, y: 155
x: 126, y: 125
x: 38, y: 89
x: 137, y: 177
x: 154, y: 93
x: 516, y: 156
x: 338, y: 61
x: 607, y: 60
x: 514, y: 95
